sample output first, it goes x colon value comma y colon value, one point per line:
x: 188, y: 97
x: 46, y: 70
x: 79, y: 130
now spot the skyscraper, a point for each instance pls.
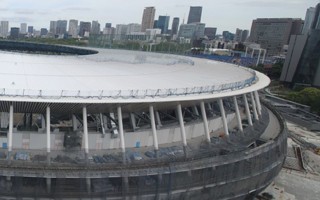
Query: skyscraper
x: 84, y: 28
x: 53, y: 27
x: 23, y: 28
x: 308, y: 21
x: 163, y: 24
x: 108, y: 25
x: 95, y: 28
x: 148, y: 18
x: 210, y: 32
x: 30, y: 29
x: 195, y: 14
x: 175, y: 26
x: 61, y: 27
x: 73, y: 28
x: 14, y: 33
x: 302, y: 64
x: 273, y: 33
x: 4, y: 29
x: 133, y: 28
x: 121, y: 31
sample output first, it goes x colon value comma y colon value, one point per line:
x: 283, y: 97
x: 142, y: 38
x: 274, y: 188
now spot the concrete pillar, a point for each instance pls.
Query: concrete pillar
x: 195, y: 110
x: 205, y: 121
x: 43, y: 122
x: 120, y: 124
x: 48, y: 129
x: 85, y: 130
x: 245, y: 55
x: 237, y: 113
x: 10, y: 136
x: 133, y: 122
x: 48, y: 180
x: 88, y: 184
x: 154, y: 128
x: 159, y: 124
x: 256, y: 95
x: 182, y: 129
x: 264, y: 55
x: 223, y: 116
x: 74, y: 123
x: 254, y: 107
x: 247, y: 109
x: 258, y: 60
x: 252, y: 54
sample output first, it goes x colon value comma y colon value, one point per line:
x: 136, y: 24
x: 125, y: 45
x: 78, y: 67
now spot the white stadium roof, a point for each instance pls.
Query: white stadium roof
x: 120, y: 76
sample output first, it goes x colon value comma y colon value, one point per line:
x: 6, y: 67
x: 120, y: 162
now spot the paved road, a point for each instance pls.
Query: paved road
x: 297, y: 184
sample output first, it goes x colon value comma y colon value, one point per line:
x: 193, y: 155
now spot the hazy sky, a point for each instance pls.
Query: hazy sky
x: 223, y: 14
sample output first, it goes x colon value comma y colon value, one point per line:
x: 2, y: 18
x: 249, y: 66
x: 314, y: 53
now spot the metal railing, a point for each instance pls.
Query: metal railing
x: 128, y: 94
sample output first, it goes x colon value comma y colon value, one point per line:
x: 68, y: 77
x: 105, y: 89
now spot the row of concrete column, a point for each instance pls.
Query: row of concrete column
x: 255, y: 101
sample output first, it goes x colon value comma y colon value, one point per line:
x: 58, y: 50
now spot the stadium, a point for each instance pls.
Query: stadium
x: 115, y: 124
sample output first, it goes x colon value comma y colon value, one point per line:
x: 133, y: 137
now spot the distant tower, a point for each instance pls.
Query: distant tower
x: 4, y: 29
x: 308, y: 21
x: 148, y: 18
x: 175, y: 26
x: 195, y: 14
x: 95, y: 28
x: 23, y: 28
x: 163, y: 24
x: 73, y: 28
x: 53, y: 27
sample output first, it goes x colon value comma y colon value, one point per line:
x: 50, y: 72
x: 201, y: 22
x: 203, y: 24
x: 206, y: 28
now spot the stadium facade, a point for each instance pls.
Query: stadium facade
x: 97, y: 123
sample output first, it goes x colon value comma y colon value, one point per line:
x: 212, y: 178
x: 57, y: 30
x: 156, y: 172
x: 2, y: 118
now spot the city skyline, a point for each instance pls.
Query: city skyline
x: 39, y: 13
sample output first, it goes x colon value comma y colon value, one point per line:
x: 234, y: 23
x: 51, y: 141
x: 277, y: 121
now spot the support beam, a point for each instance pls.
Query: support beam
x: 247, y: 109
x: 237, y: 113
x: 43, y: 122
x: 254, y: 107
x: 85, y: 130
x: 258, y: 60
x: 10, y: 131
x: 74, y: 123
x: 48, y: 180
x: 120, y: 124
x: 159, y: 124
x: 256, y: 95
x: 182, y: 129
x: 205, y: 121
x: 133, y: 122
x: 48, y: 123
x: 195, y: 110
x: 223, y: 116
x: 154, y: 128
x: 245, y: 55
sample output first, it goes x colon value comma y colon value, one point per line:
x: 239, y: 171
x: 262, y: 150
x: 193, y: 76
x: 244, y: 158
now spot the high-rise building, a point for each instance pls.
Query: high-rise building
x: 133, y: 28
x: 163, y: 24
x: 273, y: 33
x: 84, y: 28
x: 73, y: 28
x: 4, y: 29
x: 210, y: 32
x: 192, y: 31
x: 155, y: 24
x: 23, y: 28
x: 61, y: 27
x: 195, y: 14
x: 108, y: 25
x: 14, y: 33
x: 244, y: 35
x: 302, y: 64
x: 95, y: 28
x: 53, y: 27
x: 148, y: 18
x: 308, y: 19
x: 121, y: 31
x: 43, y: 32
x: 30, y: 29
x: 241, y: 35
x: 227, y: 36
x: 175, y: 26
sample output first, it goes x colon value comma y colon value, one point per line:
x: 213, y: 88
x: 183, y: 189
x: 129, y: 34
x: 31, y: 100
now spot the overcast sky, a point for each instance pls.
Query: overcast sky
x: 223, y: 14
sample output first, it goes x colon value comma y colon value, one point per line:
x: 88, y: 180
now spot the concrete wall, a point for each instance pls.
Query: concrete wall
x: 37, y: 140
